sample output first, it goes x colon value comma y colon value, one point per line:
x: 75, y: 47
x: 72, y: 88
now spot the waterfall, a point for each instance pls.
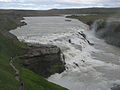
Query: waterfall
x: 87, y: 67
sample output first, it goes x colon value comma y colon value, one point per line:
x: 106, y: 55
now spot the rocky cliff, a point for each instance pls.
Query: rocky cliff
x: 44, y: 60
x: 109, y: 31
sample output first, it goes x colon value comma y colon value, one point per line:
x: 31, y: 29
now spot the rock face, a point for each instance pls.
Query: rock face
x: 112, y: 35
x: 44, y: 60
x: 110, y: 32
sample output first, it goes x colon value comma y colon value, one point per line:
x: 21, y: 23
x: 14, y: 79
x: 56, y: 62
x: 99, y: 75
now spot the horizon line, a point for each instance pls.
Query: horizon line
x: 56, y: 8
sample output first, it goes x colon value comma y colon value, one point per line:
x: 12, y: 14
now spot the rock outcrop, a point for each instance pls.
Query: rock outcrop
x: 44, y: 60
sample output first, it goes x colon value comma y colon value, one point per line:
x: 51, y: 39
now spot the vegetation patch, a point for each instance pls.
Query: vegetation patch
x: 35, y: 82
x: 88, y: 19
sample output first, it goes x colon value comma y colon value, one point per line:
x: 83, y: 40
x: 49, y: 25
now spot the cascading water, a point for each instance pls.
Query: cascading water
x: 87, y: 67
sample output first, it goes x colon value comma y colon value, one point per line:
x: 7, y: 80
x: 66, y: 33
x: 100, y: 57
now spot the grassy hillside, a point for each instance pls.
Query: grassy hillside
x: 35, y: 82
x: 10, y: 47
x: 7, y: 49
x: 89, y: 19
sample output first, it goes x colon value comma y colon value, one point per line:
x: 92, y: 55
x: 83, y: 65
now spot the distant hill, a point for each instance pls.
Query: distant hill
x: 62, y: 11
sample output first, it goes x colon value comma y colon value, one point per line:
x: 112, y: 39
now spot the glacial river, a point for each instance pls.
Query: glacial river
x: 87, y: 67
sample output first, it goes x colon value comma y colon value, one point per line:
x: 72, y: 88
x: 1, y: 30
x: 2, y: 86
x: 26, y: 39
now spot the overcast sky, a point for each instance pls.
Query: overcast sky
x: 60, y: 4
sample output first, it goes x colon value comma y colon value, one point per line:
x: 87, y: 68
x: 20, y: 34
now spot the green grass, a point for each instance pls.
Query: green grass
x: 10, y: 47
x: 7, y: 49
x: 35, y: 82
